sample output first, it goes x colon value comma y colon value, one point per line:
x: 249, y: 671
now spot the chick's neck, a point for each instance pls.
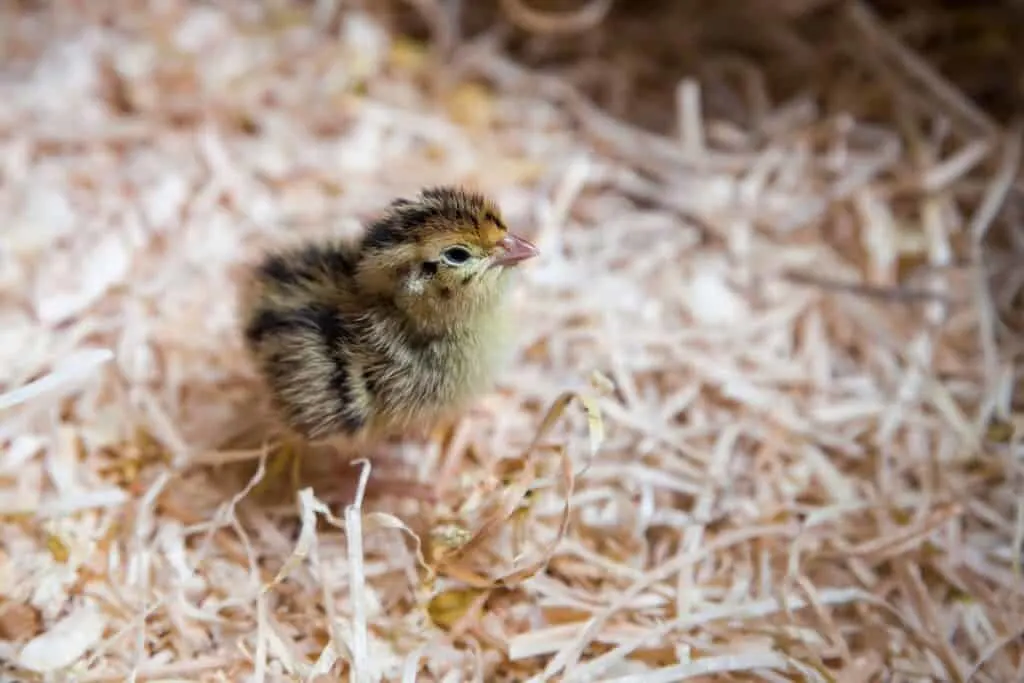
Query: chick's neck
x: 430, y: 316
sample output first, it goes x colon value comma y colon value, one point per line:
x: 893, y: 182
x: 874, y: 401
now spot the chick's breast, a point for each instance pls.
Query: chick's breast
x: 413, y: 381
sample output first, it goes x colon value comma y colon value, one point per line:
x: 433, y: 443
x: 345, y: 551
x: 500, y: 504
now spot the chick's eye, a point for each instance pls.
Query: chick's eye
x: 456, y: 256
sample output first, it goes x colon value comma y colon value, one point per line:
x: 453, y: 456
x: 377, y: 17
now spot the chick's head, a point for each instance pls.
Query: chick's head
x: 441, y: 257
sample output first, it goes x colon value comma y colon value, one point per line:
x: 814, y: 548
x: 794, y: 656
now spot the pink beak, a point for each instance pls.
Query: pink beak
x: 514, y: 250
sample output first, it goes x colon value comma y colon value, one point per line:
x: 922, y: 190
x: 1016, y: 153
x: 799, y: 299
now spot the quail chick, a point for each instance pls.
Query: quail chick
x: 397, y: 329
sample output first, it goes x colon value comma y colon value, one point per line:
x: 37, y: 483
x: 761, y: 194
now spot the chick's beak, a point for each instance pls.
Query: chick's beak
x: 514, y: 249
